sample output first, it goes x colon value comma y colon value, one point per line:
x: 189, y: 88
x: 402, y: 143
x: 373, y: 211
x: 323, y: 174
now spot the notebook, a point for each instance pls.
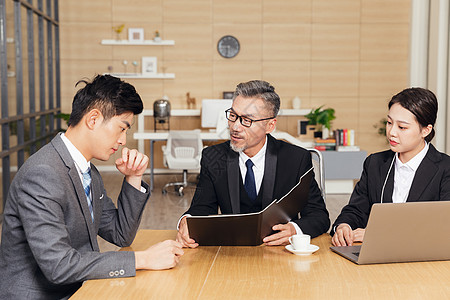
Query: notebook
x: 250, y: 229
x: 403, y: 232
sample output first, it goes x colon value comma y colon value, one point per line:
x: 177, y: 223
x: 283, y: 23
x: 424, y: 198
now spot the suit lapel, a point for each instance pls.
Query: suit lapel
x: 97, y: 198
x: 76, y: 181
x: 74, y: 176
x: 233, y: 180
x: 388, y: 189
x: 426, y: 171
x: 270, y: 169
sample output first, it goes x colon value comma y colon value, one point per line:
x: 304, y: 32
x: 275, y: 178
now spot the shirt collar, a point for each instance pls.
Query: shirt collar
x: 79, y: 159
x: 258, y: 159
x: 414, y: 162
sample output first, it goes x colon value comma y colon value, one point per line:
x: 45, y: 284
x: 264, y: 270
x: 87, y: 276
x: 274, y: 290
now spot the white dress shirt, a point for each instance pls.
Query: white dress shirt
x: 404, y: 175
x: 81, y: 163
x: 259, y: 161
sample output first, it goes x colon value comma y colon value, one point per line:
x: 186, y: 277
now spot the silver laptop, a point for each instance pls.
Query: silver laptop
x: 403, y: 232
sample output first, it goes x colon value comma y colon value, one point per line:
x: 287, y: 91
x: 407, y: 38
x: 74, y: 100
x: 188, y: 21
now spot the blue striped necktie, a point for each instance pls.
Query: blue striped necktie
x: 87, y: 190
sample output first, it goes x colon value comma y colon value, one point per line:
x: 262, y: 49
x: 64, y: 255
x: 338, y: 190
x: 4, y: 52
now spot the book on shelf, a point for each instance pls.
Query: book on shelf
x: 325, y: 144
x: 347, y: 148
x: 344, y: 137
x: 325, y: 148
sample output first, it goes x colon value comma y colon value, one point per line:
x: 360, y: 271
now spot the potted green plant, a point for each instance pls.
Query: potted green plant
x: 320, y: 119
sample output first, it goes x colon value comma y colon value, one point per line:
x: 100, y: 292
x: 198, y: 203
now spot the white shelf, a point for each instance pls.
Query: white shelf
x: 294, y: 112
x: 139, y: 75
x: 197, y: 112
x: 134, y: 43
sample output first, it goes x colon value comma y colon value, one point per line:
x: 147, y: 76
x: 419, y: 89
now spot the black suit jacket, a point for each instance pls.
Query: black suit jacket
x: 218, y: 185
x: 431, y: 183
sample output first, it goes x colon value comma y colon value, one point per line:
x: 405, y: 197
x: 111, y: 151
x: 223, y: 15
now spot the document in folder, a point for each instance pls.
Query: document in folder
x: 250, y: 229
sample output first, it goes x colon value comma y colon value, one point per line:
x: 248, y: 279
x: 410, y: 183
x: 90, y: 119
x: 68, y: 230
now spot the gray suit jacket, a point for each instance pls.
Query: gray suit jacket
x: 49, y: 242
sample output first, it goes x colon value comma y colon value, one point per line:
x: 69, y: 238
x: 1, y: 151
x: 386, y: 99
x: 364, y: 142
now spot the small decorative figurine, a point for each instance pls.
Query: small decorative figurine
x: 190, y: 100
x: 157, y: 37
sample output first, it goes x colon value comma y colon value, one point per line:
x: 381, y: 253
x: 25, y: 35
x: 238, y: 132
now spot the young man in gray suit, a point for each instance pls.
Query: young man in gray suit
x: 57, y: 204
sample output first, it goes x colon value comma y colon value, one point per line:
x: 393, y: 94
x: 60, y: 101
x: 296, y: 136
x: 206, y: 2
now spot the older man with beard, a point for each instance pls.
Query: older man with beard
x: 245, y: 174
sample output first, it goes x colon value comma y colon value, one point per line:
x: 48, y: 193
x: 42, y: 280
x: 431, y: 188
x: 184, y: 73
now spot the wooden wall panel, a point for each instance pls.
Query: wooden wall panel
x: 85, y: 11
x: 351, y: 55
x: 334, y: 78
x: 126, y: 12
x: 192, y: 42
x: 289, y: 12
x: 381, y: 78
x: 336, y: 12
x: 237, y: 11
x: 86, y: 33
x: 384, y: 41
x: 335, y: 42
x: 182, y: 12
x: 287, y: 42
x: 385, y: 11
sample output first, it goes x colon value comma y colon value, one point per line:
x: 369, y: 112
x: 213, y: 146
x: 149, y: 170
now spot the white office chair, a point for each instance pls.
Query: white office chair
x: 182, y: 152
x: 317, y: 161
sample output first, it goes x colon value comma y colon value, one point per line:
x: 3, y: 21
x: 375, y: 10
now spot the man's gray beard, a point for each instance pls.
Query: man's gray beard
x: 237, y: 149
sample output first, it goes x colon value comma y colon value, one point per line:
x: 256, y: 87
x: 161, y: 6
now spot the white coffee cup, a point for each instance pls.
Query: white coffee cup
x: 300, y: 241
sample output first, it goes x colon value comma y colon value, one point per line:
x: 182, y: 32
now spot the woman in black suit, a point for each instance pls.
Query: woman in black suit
x: 412, y: 170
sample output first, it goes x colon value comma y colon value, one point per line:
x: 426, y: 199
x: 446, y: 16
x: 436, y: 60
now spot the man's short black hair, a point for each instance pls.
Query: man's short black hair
x: 110, y: 95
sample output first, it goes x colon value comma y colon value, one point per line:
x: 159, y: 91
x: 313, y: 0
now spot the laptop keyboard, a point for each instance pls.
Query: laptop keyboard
x: 356, y: 253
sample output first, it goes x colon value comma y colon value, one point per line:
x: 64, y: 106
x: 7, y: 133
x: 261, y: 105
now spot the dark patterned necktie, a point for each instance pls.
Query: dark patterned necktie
x: 249, y: 185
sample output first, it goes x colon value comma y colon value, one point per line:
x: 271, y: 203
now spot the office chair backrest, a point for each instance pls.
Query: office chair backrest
x: 317, y: 161
x: 185, y: 143
x: 184, y: 152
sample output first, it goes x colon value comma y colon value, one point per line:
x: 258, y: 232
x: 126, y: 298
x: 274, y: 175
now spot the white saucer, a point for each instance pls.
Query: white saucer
x: 311, y: 249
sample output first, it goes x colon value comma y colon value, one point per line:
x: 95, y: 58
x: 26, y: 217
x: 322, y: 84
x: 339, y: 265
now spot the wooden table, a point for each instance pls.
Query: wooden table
x: 271, y: 273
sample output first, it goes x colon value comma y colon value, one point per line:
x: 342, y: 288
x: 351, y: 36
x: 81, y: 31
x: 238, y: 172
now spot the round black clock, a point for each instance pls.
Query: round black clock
x: 228, y: 46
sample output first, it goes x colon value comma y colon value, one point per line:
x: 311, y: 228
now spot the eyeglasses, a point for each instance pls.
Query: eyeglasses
x: 247, y: 122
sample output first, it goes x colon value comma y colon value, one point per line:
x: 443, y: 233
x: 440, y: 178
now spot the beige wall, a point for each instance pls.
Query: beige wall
x: 351, y: 55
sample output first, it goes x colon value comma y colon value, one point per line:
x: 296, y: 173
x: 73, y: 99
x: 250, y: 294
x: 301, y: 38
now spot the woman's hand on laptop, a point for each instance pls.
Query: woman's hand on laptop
x: 358, y: 234
x: 345, y: 236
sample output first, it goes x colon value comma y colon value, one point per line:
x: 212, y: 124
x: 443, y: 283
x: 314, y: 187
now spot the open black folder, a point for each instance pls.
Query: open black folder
x: 250, y: 229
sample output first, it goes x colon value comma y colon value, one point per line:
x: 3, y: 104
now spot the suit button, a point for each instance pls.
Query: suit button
x: 122, y: 272
x: 111, y: 274
x: 116, y: 273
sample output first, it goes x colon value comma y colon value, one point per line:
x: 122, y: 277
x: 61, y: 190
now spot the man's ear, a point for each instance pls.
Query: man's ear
x: 93, y: 117
x: 271, y: 125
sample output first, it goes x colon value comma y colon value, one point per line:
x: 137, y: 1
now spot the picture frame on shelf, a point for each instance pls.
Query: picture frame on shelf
x: 227, y: 95
x: 149, y: 65
x: 136, y: 34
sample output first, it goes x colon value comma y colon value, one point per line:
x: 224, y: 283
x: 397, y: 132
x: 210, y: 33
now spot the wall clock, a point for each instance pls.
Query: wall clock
x: 228, y: 46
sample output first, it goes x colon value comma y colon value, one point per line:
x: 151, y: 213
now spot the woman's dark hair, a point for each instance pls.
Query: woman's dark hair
x: 108, y: 94
x: 422, y: 103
